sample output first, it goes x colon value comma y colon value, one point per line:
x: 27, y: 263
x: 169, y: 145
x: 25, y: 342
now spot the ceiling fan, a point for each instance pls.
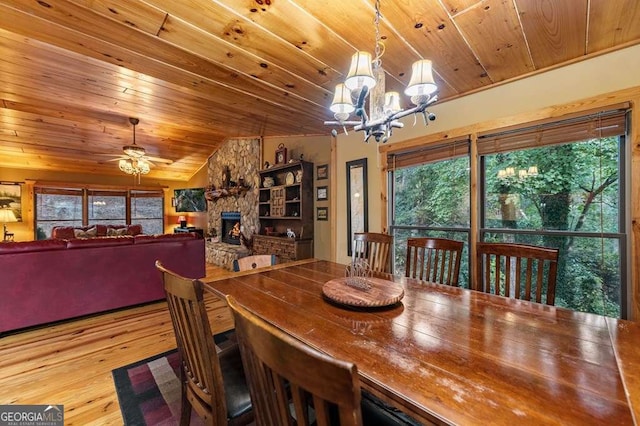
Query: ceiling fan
x: 134, y: 160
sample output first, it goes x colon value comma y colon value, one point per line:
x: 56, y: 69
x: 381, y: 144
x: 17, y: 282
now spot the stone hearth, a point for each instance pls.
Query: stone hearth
x: 223, y: 254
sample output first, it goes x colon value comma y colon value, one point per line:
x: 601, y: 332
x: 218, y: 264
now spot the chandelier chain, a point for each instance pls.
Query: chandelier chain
x: 379, y: 48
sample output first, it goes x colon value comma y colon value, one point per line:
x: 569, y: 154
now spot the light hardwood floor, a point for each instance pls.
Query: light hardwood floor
x: 71, y: 363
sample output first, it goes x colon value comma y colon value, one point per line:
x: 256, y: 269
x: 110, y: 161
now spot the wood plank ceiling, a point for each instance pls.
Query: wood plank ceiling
x: 197, y: 72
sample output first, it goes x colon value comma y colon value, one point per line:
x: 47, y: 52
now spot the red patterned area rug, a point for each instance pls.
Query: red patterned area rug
x: 149, y: 390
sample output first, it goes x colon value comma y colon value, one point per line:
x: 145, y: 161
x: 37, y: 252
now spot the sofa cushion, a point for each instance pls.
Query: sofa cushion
x: 102, y: 230
x: 30, y: 246
x: 62, y: 232
x: 134, y: 229
x: 99, y: 242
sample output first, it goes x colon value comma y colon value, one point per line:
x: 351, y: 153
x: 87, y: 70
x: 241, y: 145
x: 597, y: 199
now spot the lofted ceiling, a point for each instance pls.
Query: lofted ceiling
x: 197, y: 72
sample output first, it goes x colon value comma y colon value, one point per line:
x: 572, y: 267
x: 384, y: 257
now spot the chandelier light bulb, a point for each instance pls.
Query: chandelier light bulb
x: 391, y: 102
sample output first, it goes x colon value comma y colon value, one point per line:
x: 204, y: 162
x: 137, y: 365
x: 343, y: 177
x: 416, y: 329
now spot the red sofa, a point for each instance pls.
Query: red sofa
x: 52, y: 280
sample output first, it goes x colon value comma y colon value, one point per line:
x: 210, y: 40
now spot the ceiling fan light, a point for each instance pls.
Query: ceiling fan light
x: 143, y: 167
x: 422, y: 83
x: 360, y: 72
x: 342, y: 102
x: 125, y: 166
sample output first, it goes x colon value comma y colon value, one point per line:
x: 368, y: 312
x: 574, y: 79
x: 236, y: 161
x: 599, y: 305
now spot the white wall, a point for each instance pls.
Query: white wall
x: 600, y: 75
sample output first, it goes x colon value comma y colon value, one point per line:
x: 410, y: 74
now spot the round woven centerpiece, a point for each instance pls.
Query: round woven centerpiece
x: 379, y: 292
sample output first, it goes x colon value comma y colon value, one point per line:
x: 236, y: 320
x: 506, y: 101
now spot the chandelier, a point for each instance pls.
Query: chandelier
x: 134, y: 165
x: 365, y: 74
x: 510, y: 173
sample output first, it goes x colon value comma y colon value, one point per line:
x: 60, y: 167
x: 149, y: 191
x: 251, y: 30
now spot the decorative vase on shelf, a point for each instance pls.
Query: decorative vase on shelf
x: 268, y: 182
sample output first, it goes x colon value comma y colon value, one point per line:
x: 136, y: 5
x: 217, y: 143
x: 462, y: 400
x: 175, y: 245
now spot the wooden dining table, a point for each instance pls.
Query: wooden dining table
x: 448, y: 355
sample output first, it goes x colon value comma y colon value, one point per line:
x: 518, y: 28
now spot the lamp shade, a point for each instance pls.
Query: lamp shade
x: 182, y: 220
x: 391, y: 102
x: 422, y: 82
x: 342, y: 102
x: 7, y: 215
x: 360, y: 72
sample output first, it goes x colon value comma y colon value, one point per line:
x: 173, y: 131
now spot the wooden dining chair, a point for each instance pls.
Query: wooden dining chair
x: 517, y: 270
x: 213, y: 384
x: 373, y: 247
x: 292, y: 383
x: 252, y: 262
x: 435, y: 260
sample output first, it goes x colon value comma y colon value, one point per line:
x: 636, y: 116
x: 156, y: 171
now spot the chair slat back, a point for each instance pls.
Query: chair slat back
x: 434, y: 259
x: 200, y: 363
x: 252, y: 262
x: 290, y: 382
x: 517, y: 270
x: 375, y: 248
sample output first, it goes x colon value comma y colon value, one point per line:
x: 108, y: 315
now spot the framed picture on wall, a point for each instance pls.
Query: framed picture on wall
x: 11, y: 201
x: 322, y: 213
x: 322, y: 193
x: 322, y: 172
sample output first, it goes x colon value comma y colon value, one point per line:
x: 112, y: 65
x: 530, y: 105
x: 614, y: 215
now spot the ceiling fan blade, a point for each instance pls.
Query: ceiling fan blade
x: 158, y: 159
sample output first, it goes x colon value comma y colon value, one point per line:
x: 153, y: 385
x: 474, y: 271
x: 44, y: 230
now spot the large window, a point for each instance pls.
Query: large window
x: 107, y: 207
x: 147, y: 210
x: 555, y: 184
x: 564, y: 193
x: 431, y: 200
x: 57, y: 206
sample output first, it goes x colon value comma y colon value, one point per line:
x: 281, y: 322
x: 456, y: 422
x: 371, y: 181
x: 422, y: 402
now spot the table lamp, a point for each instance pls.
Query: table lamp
x: 183, y: 221
x: 6, y: 216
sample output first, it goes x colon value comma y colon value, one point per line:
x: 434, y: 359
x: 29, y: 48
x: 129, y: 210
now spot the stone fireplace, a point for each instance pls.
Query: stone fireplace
x: 237, y: 160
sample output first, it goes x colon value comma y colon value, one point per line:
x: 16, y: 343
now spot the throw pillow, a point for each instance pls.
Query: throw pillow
x: 115, y: 232
x: 89, y: 233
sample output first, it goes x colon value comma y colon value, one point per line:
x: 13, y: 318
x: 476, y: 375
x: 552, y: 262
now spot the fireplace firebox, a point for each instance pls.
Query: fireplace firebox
x: 231, y: 227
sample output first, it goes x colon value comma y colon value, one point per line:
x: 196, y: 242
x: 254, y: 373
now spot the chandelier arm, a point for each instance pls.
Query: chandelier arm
x: 342, y: 123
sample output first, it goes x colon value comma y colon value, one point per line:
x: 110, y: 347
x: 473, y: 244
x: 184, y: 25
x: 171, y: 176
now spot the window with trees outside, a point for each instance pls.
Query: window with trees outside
x: 557, y: 184
x: 430, y: 198
x: 563, y: 189
x: 55, y: 206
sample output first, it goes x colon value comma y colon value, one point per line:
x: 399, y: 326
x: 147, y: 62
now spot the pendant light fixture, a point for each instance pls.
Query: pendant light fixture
x: 364, y: 74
